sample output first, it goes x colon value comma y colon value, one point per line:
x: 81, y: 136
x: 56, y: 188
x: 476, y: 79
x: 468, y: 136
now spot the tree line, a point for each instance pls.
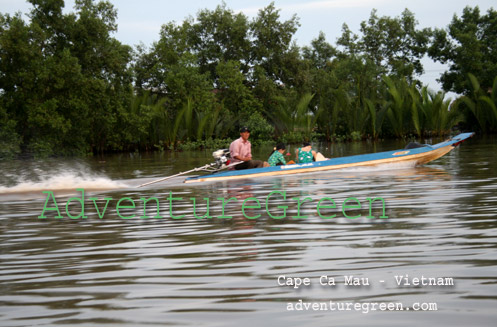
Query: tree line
x: 68, y: 87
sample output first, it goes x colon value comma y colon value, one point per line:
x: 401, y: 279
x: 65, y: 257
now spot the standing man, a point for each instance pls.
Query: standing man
x: 241, y: 151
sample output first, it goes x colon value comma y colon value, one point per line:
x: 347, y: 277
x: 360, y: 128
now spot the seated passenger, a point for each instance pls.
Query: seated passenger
x: 305, y: 154
x: 241, y: 152
x: 277, y: 157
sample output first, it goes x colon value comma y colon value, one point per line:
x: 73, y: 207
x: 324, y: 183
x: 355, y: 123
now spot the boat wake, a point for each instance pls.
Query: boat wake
x: 64, y: 181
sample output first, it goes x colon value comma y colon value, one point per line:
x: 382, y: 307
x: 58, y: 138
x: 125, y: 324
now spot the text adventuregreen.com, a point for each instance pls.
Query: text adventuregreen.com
x: 250, y: 206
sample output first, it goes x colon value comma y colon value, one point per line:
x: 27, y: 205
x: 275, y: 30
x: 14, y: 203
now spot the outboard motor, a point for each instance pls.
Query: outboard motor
x: 222, y: 157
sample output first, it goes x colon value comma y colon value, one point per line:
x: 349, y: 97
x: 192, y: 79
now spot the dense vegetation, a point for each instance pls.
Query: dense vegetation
x: 67, y: 86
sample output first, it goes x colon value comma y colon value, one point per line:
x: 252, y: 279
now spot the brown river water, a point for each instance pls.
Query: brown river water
x: 434, y: 257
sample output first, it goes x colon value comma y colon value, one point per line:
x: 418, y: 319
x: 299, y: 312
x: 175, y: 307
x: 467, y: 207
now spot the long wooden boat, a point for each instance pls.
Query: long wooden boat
x: 410, y: 157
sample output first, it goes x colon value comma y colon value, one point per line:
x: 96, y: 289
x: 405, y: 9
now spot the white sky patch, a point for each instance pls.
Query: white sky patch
x: 330, y: 4
x: 138, y: 27
x: 319, y: 5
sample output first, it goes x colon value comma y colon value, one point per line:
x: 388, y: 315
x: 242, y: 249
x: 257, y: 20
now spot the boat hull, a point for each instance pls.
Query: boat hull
x: 405, y: 157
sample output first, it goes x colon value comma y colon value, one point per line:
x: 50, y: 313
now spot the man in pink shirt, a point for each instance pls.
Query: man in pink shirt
x: 241, y: 151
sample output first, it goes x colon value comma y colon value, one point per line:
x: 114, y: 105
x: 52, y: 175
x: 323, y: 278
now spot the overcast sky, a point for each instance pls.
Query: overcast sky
x: 140, y: 20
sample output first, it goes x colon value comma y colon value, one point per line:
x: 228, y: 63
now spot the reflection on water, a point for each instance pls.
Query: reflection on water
x: 221, y: 272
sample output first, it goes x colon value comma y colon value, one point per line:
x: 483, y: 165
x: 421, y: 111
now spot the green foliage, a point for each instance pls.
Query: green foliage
x: 209, y: 144
x: 482, y: 105
x: 411, y: 110
x: 321, y: 52
x: 331, y: 103
x: 271, y: 41
x: 438, y: 115
x: 398, y: 101
x: 219, y: 36
x: 260, y: 128
x: 377, y: 113
x: 393, y: 44
x: 10, y: 141
x: 64, y: 80
x: 68, y: 87
x: 356, y: 136
x: 295, y: 115
x: 148, y: 117
x: 233, y: 90
x: 469, y: 46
